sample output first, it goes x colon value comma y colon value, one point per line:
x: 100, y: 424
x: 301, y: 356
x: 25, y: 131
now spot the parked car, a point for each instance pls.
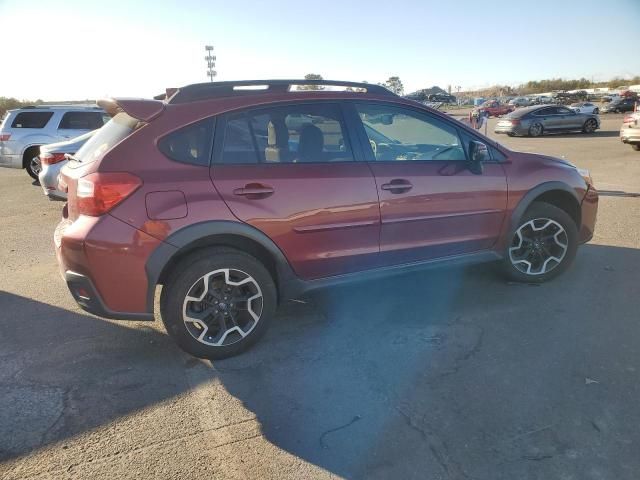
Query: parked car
x: 619, y: 105
x: 610, y: 98
x: 520, y: 102
x: 232, y: 220
x: 24, y: 130
x: 630, y: 130
x: 585, y: 107
x: 441, y: 97
x: 535, y: 121
x: 494, y: 108
x: 52, y: 158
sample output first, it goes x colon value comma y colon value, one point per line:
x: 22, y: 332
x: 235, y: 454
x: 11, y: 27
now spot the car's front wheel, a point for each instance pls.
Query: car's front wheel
x: 218, y: 302
x: 536, y: 130
x: 543, y: 245
x: 590, y: 126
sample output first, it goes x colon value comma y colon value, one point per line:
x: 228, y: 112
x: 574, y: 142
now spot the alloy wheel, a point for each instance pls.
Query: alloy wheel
x: 222, y: 307
x: 535, y: 130
x: 590, y: 126
x: 35, y: 166
x: 538, y: 246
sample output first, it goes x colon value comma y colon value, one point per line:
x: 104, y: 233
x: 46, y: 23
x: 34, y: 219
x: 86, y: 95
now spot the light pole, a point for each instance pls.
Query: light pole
x: 211, y: 62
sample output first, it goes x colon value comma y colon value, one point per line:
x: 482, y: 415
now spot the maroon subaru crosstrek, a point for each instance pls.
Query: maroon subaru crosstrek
x: 237, y: 195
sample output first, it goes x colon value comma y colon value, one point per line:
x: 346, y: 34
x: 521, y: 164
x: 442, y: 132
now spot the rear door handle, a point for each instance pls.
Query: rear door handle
x: 397, y: 185
x: 255, y: 190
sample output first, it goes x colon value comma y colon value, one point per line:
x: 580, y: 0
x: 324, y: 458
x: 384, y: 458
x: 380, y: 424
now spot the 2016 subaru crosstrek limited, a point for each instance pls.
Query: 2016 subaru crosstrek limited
x: 235, y: 196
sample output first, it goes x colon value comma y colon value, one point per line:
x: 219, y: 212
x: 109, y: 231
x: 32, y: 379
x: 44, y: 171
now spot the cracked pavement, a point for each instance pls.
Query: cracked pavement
x: 453, y: 374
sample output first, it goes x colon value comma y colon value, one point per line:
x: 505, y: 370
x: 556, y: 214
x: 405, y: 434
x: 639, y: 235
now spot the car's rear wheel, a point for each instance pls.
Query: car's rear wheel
x: 218, y: 302
x: 590, y: 126
x: 543, y: 245
x: 536, y: 130
x: 31, y: 162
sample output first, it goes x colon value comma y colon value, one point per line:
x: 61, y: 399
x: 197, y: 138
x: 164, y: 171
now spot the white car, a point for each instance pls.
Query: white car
x: 585, y: 107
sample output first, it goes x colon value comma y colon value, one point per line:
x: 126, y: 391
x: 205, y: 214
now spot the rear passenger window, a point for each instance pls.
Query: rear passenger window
x: 291, y: 134
x: 31, y: 119
x: 82, y: 120
x: 191, y: 144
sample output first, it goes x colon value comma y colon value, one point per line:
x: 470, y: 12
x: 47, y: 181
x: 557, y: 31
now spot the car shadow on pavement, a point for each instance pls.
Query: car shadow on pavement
x: 63, y: 373
x: 596, y: 134
x: 453, y: 373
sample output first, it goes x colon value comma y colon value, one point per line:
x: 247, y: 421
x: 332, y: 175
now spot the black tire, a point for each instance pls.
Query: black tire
x: 183, y: 279
x: 542, y: 210
x: 27, y: 161
x: 537, y: 131
x: 636, y: 147
x: 590, y: 126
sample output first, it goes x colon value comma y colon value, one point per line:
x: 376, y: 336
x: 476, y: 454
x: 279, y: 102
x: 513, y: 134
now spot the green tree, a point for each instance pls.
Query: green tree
x: 395, y: 85
x: 311, y: 76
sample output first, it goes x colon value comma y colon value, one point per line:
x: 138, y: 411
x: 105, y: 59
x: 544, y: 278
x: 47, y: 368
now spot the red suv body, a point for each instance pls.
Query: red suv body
x: 234, y: 198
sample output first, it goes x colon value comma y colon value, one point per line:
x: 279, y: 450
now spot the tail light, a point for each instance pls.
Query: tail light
x: 98, y: 193
x: 51, y: 158
x: 4, y: 137
x: 515, y: 121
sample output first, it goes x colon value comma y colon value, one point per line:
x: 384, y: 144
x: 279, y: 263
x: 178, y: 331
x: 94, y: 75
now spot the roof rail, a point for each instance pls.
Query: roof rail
x: 203, y: 91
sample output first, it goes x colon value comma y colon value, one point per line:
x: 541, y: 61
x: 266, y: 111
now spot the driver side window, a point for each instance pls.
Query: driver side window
x: 401, y: 134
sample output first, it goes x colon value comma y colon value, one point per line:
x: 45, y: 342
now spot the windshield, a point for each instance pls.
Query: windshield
x: 115, y: 130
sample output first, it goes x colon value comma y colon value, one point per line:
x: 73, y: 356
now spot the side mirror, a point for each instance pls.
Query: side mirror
x: 478, y: 153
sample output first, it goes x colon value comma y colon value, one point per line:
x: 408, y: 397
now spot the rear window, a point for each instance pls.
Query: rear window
x: 31, y: 119
x: 82, y: 120
x: 191, y: 144
x: 114, y: 131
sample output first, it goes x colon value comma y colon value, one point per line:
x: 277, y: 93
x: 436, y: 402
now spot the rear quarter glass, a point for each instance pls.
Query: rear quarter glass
x: 112, y: 133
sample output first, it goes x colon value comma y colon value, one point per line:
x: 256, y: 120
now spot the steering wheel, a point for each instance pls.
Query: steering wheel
x: 374, y: 147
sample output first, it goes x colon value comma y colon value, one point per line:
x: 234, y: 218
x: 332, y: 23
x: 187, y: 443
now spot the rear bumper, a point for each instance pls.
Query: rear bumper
x: 48, y: 178
x: 86, y: 295
x: 512, y: 129
x: 102, y: 260
x: 11, y: 161
x: 630, y: 135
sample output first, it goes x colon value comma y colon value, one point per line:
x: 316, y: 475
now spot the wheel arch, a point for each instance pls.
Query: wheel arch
x: 27, y: 152
x: 555, y: 193
x: 195, y: 237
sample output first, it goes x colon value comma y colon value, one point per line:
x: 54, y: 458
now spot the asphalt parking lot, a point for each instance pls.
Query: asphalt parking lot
x: 455, y: 374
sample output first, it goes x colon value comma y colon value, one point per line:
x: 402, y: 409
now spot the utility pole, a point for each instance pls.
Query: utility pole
x: 211, y: 62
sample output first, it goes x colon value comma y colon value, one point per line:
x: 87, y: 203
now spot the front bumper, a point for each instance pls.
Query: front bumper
x: 11, y: 161
x: 589, y: 213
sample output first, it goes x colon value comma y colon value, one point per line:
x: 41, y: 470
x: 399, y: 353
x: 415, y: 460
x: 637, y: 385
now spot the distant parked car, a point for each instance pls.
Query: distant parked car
x: 620, y: 105
x: 520, y: 102
x: 534, y: 121
x: 52, y: 158
x: 23, y: 131
x: 441, y: 97
x: 630, y: 130
x: 494, y: 108
x: 610, y: 97
x: 585, y: 107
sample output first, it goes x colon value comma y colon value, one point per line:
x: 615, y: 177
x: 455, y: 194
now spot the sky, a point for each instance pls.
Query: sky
x: 87, y: 49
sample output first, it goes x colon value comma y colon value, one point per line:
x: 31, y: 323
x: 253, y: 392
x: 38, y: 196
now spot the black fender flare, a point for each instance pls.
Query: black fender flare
x: 526, y: 201
x: 177, y: 242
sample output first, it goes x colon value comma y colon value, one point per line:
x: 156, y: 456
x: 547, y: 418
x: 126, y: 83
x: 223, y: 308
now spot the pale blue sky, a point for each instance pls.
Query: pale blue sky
x: 75, y: 49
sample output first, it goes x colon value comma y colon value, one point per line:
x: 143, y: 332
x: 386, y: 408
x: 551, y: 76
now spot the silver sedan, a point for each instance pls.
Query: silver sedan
x: 52, y: 159
x: 535, y: 121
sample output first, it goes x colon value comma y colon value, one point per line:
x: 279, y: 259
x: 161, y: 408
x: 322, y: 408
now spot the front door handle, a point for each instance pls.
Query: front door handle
x: 254, y: 190
x: 397, y: 185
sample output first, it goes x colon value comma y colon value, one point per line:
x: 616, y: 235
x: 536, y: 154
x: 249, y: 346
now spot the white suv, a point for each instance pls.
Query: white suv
x: 24, y: 130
